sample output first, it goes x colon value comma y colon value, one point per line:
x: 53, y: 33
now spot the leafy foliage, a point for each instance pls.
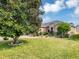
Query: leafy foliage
x: 18, y: 17
x: 63, y: 28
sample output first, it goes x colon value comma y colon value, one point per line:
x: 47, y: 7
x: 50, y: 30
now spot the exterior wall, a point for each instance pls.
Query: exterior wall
x: 77, y: 29
x: 72, y: 31
x: 53, y: 26
x: 43, y: 29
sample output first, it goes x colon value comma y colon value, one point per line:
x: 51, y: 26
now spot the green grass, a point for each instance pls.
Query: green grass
x: 41, y: 48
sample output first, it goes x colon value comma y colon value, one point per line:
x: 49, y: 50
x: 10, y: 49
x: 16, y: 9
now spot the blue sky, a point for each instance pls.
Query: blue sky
x: 63, y: 10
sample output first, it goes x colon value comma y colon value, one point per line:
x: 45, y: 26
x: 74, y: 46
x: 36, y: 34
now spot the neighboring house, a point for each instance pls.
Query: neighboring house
x: 43, y: 29
x: 74, y: 29
x: 77, y: 29
x: 52, y: 26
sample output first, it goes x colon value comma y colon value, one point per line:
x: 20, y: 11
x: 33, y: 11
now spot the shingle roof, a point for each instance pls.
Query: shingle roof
x: 50, y: 23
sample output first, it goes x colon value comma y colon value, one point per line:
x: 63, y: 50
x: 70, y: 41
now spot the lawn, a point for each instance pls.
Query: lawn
x: 41, y: 48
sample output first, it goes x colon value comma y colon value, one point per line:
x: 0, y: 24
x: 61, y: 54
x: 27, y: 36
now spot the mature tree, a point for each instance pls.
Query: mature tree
x: 63, y: 28
x: 33, y: 15
x: 18, y: 17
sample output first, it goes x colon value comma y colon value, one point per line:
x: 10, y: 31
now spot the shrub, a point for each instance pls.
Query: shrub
x: 76, y: 36
x: 66, y: 36
x: 45, y: 33
x: 51, y: 33
x: 6, y: 38
x: 40, y: 33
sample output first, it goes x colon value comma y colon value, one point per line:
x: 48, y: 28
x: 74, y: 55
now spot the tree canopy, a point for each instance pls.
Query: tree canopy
x: 18, y: 17
x: 63, y: 28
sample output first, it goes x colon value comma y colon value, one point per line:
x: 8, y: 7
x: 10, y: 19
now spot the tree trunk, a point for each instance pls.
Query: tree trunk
x: 62, y: 34
x: 15, y: 39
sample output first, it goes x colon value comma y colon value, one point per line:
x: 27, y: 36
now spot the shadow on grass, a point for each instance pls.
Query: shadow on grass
x: 7, y: 44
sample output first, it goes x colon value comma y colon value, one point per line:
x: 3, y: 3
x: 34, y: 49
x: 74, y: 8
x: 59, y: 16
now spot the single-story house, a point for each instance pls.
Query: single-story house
x: 52, y: 26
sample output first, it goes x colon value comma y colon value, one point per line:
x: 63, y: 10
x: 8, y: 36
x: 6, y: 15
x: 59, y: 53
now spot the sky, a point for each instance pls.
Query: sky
x: 62, y: 10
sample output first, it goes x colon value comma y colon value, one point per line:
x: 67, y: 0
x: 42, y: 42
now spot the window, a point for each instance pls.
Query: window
x: 51, y: 28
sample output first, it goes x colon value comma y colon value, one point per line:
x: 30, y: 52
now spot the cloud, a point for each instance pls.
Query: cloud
x: 45, y: 19
x: 72, y: 3
x: 76, y: 11
x: 57, y: 6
